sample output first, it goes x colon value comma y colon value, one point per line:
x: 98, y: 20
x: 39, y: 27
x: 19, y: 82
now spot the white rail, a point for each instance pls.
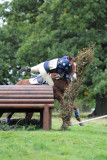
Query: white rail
x: 90, y: 120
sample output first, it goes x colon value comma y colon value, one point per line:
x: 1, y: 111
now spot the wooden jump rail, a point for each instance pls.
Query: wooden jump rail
x: 28, y: 98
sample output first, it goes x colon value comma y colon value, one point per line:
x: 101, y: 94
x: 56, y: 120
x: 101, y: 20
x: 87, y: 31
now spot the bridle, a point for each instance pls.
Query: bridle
x: 71, y: 77
x: 73, y: 73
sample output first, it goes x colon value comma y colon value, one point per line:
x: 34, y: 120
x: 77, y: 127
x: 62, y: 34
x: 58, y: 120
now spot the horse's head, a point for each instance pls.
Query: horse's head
x: 73, y: 71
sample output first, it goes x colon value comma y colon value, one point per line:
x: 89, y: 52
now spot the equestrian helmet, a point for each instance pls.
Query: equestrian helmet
x: 65, y: 64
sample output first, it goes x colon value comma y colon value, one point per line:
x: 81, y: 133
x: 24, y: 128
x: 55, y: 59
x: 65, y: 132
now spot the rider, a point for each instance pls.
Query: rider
x: 62, y: 66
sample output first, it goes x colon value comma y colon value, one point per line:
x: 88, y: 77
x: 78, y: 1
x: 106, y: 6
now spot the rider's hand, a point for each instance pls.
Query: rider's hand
x: 28, y: 69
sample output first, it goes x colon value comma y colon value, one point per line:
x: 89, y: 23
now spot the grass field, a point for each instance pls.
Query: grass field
x: 87, y: 142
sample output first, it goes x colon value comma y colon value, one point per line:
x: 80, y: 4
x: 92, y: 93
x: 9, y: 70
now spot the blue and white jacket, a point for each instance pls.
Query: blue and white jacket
x: 58, y: 68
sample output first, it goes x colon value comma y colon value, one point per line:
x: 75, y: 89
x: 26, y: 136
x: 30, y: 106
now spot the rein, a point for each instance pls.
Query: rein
x: 59, y: 76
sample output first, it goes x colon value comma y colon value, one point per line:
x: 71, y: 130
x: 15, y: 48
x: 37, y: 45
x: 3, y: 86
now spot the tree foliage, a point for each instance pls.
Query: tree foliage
x: 20, y: 18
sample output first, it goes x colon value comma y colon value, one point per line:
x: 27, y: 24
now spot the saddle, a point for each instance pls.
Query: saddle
x: 37, y: 79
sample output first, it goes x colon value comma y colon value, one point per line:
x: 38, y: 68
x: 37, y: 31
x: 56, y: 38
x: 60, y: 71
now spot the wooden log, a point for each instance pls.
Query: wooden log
x: 26, y: 96
x: 26, y: 92
x: 25, y: 87
x: 21, y: 106
x: 26, y: 101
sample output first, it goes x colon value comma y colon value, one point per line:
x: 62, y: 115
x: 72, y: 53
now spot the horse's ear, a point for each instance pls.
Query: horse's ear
x: 76, y: 58
x: 69, y: 58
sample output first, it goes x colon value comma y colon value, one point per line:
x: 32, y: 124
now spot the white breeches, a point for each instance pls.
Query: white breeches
x: 40, y: 68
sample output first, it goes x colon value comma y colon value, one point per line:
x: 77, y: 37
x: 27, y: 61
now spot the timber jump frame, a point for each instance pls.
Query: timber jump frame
x: 28, y: 98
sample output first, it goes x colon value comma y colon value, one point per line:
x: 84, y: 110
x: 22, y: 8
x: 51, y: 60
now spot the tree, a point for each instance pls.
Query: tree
x: 65, y: 27
x: 19, y: 17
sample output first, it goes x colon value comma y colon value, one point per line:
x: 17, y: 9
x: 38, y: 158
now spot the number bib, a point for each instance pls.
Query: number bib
x: 53, y: 64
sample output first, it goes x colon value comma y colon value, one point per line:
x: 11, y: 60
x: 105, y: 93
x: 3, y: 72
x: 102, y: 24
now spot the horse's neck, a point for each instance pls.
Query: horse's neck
x: 54, y: 75
x: 60, y: 85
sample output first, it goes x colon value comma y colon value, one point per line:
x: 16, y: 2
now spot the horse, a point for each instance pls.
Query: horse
x: 60, y: 85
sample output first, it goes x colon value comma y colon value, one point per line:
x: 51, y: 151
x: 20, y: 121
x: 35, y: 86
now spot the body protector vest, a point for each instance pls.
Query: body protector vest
x: 53, y: 64
x: 61, y: 66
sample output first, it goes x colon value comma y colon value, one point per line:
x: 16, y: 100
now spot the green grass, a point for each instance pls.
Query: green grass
x: 78, y: 143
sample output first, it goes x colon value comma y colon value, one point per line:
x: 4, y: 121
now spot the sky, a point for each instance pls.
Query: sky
x: 1, y: 1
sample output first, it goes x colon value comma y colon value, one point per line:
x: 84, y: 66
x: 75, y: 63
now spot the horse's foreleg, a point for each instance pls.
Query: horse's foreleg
x: 65, y: 114
x: 70, y: 112
x: 77, y: 116
x: 76, y: 112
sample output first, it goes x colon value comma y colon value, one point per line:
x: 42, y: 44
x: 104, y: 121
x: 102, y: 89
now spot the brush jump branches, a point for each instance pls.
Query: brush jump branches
x: 85, y: 57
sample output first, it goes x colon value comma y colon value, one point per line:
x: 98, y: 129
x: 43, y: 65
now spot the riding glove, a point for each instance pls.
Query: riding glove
x: 28, y: 69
